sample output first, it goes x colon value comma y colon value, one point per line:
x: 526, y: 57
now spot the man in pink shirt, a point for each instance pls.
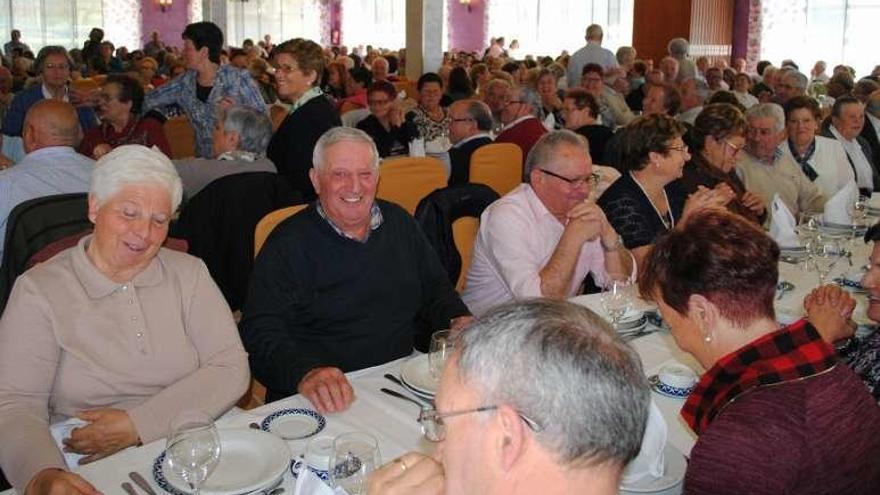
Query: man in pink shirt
x: 545, y: 236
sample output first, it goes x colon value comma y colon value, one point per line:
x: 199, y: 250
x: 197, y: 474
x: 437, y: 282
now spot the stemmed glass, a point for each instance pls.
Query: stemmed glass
x: 858, y: 212
x: 809, y: 226
x: 442, y: 345
x: 825, y: 251
x: 355, y: 455
x: 193, y: 448
x: 616, y: 301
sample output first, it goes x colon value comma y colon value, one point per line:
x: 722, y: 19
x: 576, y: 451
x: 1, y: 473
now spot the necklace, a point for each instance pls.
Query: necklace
x: 669, y: 223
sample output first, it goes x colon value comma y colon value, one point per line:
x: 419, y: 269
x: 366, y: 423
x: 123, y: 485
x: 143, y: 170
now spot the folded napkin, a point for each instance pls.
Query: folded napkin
x: 62, y: 430
x: 782, y: 224
x: 308, y: 483
x: 650, y: 464
x: 838, y: 208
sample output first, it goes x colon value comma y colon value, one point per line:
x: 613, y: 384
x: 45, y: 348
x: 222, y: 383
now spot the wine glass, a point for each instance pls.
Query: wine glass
x: 442, y: 345
x: 809, y: 226
x: 616, y: 301
x: 825, y: 251
x: 193, y: 448
x: 858, y: 212
x: 355, y: 456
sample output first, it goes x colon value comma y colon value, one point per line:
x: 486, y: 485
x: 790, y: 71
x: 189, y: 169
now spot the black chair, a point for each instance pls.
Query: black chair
x: 219, y: 223
x: 32, y: 225
x: 438, y: 210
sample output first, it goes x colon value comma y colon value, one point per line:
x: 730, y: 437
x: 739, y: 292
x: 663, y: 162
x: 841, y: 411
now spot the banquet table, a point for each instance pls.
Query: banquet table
x: 393, y: 421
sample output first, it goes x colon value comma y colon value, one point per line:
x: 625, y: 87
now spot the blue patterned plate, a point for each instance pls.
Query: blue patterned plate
x: 294, y: 424
x: 250, y: 460
x: 299, y: 463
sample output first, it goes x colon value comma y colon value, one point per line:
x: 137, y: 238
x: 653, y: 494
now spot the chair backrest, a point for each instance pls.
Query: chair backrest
x: 348, y: 106
x: 351, y: 118
x: 85, y: 84
x: 406, y: 180
x: 181, y: 137
x: 32, y: 225
x: 219, y: 224
x: 498, y: 165
x: 437, y: 215
x: 268, y: 223
x: 464, y: 231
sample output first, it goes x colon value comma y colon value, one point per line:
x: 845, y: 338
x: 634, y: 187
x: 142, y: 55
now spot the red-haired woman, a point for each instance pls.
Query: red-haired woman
x: 776, y: 411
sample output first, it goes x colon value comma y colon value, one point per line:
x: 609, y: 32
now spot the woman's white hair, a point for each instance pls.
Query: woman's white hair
x: 134, y: 164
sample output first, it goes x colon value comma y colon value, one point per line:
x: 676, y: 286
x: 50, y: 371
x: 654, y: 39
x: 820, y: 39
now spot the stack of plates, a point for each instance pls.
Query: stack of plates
x: 416, y: 377
x: 250, y: 461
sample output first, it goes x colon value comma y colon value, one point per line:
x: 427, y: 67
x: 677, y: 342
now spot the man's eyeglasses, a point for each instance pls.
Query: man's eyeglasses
x: 374, y: 103
x: 434, y: 428
x: 468, y: 119
x: 591, y: 179
x: 61, y: 66
x: 682, y: 149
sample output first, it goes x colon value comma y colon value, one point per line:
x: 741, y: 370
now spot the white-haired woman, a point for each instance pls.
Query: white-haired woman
x: 116, y: 331
x: 240, y: 139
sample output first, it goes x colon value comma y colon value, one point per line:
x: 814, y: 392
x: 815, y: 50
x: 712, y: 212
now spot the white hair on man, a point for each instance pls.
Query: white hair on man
x: 343, y: 134
x: 134, y: 164
x: 563, y: 368
x: 768, y: 110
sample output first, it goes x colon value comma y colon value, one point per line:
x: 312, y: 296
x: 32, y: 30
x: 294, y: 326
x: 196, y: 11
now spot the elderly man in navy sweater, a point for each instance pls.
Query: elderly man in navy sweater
x: 348, y: 283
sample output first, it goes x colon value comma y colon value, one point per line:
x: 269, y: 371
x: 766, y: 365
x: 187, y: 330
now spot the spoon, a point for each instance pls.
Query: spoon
x: 402, y: 397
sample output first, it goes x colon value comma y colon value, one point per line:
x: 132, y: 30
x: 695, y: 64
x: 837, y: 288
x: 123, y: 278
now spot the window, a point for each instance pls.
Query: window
x: 282, y: 19
x: 836, y: 31
x: 546, y: 27
x: 52, y: 24
x: 381, y: 23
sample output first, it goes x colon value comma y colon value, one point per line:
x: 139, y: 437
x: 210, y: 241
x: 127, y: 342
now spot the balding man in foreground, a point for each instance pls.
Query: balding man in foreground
x: 50, y: 136
x: 471, y: 122
x: 511, y: 415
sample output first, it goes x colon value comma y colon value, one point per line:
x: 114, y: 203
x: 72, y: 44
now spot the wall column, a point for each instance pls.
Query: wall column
x: 424, y: 37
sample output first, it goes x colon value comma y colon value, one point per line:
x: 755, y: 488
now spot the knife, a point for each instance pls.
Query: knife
x: 141, y: 482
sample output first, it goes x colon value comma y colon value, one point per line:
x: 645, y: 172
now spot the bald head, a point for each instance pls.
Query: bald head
x: 51, y: 123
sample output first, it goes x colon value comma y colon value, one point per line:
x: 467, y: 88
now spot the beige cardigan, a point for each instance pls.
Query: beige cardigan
x: 72, y: 339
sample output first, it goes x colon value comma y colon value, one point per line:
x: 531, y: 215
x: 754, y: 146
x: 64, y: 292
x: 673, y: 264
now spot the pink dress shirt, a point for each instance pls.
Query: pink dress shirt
x: 516, y: 239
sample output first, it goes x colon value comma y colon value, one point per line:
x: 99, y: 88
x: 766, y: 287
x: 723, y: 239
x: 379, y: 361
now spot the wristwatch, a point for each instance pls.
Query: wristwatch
x: 613, y: 247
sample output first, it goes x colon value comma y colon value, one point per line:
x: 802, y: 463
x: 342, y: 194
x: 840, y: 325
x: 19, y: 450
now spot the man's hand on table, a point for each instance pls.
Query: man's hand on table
x: 829, y: 308
x: 409, y: 474
x: 54, y: 481
x: 108, y: 432
x: 327, y: 389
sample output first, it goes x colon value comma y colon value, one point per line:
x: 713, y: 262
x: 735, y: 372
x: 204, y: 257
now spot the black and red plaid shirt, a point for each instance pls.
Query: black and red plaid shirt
x: 793, y: 352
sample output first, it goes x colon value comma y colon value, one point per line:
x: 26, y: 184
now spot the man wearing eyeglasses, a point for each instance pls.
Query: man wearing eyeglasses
x: 469, y: 126
x: 522, y: 118
x: 510, y: 412
x: 545, y: 236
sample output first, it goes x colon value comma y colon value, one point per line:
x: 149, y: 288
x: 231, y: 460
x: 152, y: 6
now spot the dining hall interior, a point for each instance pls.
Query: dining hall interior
x: 423, y: 247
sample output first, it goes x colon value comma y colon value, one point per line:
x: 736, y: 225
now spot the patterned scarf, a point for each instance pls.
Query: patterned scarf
x: 791, y: 353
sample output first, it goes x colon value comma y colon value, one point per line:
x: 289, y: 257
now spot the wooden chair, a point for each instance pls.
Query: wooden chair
x: 256, y: 392
x: 464, y: 233
x: 407, y: 180
x: 498, y: 165
x: 181, y: 137
x: 268, y: 223
x: 348, y: 106
x: 86, y: 84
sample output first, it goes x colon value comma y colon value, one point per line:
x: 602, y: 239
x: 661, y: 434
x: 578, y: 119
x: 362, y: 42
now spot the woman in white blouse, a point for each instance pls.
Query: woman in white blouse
x: 822, y: 159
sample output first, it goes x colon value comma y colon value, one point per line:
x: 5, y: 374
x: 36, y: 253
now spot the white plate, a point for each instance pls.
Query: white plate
x: 676, y: 465
x: 417, y: 374
x: 294, y: 424
x: 250, y: 460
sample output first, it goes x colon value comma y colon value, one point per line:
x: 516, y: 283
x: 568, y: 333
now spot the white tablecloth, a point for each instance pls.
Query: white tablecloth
x: 393, y: 421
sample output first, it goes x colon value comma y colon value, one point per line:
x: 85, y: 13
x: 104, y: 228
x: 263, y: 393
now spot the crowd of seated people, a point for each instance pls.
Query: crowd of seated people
x: 621, y: 162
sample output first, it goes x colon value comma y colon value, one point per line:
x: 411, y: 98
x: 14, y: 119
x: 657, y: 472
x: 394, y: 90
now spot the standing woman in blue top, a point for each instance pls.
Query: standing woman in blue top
x: 206, y: 84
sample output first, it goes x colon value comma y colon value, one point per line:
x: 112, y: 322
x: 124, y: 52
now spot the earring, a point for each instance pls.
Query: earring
x: 707, y: 336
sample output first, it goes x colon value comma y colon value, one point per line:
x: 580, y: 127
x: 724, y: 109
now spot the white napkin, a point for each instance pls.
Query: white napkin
x: 782, y: 224
x: 650, y: 464
x: 308, y: 483
x: 837, y: 209
x: 62, y: 430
